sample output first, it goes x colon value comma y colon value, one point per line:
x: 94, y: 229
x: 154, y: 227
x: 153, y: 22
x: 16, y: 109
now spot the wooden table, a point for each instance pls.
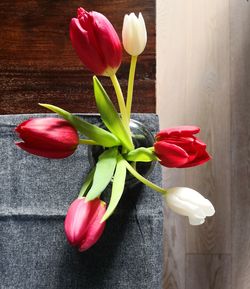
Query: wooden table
x: 38, y: 63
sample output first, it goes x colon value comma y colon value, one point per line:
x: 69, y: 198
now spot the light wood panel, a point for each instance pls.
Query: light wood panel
x: 171, y: 93
x: 209, y: 272
x: 240, y: 134
x: 208, y: 105
x: 203, y: 78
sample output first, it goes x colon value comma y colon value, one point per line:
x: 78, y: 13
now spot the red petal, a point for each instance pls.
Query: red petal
x: 77, y: 220
x: 171, y: 155
x: 201, y: 158
x: 51, y: 154
x: 48, y: 134
x: 86, y: 48
x: 107, y: 40
x: 181, y: 141
x: 95, y: 228
x: 184, y: 131
x: 200, y: 143
x: 18, y: 129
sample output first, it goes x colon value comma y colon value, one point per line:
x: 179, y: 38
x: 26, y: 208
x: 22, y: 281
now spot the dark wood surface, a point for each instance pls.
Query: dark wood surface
x: 38, y: 63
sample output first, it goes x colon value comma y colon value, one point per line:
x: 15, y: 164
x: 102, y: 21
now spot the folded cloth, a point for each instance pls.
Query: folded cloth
x: 34, y: 196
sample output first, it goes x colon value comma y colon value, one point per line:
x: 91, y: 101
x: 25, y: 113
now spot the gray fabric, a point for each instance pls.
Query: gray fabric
x: 34, y: 196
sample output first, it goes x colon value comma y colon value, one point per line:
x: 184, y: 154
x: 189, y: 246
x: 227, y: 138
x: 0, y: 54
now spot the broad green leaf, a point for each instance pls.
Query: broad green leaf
x: 141, y: 155
x: 101, y: 136
x: 110, y: 116
x: 87, y: 183
x: 104, y: 172
x: 117, y: 188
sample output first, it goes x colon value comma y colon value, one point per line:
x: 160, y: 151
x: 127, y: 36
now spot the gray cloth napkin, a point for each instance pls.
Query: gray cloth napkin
x: 34, y: 196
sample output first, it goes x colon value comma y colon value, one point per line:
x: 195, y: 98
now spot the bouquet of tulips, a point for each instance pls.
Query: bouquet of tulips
x: 99, y: 48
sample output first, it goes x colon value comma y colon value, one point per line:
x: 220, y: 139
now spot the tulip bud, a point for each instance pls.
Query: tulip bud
x: 82, y: 224
x: 134, y: 34
x: 178, y: 148
x: 96, y: 42
x: 190, y: 203
x: 48, y: 137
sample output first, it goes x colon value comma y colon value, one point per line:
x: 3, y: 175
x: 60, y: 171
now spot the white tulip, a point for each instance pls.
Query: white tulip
x: 190, y: 203
x: 134, y: 34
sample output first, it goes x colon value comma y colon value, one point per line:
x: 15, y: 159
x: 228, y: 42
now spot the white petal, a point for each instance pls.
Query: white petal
x: 190, y: 203
x: 208, y: 208
x: 195, y: 221
x: 134, y: 34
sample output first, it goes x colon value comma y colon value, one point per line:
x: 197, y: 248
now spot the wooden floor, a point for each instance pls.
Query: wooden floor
x: 203, y: 78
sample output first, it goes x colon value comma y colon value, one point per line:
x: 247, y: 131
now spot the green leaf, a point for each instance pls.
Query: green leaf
x: 110, y: 116
x: 141, y: 155
x: 101, y: 136
x: 87, y: 183
x: 104, y: 171
x: 117, y: 188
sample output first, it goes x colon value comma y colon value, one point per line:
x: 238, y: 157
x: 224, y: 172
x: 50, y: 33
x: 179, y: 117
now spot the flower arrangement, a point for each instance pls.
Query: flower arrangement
x: 100, y: 50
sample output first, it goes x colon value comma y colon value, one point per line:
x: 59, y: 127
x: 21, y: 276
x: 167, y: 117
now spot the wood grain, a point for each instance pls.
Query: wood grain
x: 193, y: 87
x: 37, y: 61
x: 175, y: 240
x: 207, y: 95
x: 171, y: 94
x: 208, y: 272
x: 240, y: 135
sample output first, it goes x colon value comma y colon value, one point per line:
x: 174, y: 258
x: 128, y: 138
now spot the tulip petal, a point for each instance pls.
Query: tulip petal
x: 190, y: 203
x: 142, y: 32
x: 49, y: 134
x: 95, y: 228
x: 78, y: 218
x: 96, y: 42
x: 52, y: 154
x: 177, y: 131
x: 196, y: 221
x: 170, y: 155
x: 134, y: 34
x: 107, y: 40
x: 85, y: 48
x: 199, y: 160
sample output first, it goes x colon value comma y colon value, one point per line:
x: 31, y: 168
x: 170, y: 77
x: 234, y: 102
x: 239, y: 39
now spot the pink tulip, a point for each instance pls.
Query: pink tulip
x: 82, y: 224
x: 178, y: 147
x: 48, y: 137
x: 96, y: 42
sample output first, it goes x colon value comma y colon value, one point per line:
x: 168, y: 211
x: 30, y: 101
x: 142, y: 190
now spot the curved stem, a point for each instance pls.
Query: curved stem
x: 87, y: 183
x: 121, y: 101
x: 131, y: 84
x: 144, y: 180
x: 87, y: 142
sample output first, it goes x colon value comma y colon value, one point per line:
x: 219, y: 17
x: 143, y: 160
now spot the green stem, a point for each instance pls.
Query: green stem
x: 87, y: 183
x: 121, y: 102
x: 87, y: 142
x: 144, y: 180
x: 131, y: 84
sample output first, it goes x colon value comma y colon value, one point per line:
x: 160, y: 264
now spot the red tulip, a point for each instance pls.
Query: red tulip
x: 82, y: 224
x: 48, y: 137
x: 96, y: 42
x: 178, y: 148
